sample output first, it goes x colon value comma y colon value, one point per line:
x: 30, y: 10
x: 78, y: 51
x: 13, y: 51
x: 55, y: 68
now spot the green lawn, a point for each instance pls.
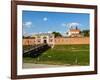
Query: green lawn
x: 63, y: 55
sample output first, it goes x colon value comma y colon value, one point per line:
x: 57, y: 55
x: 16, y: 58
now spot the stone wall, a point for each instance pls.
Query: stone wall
x: 28, y: 41
x: 67, y: 41
x: 61, y: 41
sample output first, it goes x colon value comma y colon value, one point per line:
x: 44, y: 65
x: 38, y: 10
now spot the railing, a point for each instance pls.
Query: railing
x: 35, y: 51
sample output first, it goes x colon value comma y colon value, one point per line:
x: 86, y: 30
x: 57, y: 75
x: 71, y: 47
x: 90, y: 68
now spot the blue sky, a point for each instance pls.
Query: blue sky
x: 40, y: 21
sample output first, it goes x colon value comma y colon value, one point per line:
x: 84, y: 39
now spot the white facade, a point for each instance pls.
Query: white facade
x: 47, y: 38
x: 74, y: 32
x: 71, y: 33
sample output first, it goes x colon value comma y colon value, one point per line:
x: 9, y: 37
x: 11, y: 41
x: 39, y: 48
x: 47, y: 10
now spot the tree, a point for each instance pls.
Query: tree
x: 85, y: 33
x: 57, y: 34
x: 26, y: 37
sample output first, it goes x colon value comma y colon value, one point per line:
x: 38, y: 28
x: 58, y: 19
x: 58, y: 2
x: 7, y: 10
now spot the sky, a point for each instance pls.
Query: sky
x: 43, y: 22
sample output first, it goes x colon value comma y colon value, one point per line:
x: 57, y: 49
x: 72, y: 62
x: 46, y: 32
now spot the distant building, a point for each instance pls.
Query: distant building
x: 46, y: 38
x: 74, y: 32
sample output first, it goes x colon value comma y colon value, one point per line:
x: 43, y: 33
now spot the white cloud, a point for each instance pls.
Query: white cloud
x: 73, y: 24
x: 49, y: 31
x: 24, y: 32
x: 63, y: 24
x: 27, y: 24
x: 45, y: 19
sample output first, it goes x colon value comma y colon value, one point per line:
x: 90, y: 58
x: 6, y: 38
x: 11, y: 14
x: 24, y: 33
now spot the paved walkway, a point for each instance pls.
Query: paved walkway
x: 32, y: 65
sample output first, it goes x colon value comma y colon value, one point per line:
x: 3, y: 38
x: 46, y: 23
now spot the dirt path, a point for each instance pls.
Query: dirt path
x: 32, y: 65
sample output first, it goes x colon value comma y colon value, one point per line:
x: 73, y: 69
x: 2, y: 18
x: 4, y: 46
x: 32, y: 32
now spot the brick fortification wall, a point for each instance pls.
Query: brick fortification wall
x: 28, y: 41
x: 62, y: 41
x: 67, y: 41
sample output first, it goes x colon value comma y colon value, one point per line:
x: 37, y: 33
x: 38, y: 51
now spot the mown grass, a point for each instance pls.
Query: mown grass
x: 63, y: 55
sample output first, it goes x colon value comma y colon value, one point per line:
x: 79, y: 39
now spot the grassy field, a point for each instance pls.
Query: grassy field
x: 63, y: 55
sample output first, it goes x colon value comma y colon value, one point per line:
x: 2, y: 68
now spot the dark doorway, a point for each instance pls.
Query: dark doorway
x: 45, y: 41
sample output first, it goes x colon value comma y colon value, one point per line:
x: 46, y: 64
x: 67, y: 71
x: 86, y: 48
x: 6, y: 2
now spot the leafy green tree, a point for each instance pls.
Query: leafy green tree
x: 26, y: 37
x: 57, y: 34
x: 86, y: 33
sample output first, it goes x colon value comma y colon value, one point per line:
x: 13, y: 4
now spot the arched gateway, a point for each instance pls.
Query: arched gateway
x: 46, y: 38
